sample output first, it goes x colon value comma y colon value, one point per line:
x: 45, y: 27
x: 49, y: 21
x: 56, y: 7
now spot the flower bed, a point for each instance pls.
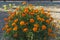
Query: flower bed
x: 27, y: 23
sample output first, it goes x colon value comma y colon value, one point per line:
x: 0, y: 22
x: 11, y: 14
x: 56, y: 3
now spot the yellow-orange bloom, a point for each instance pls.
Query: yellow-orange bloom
x: 24, y: 3
x: 36, y: 25
x: 3, y: 29
x: 43, y: 27
x: 13, y: 24
x: 6, y: 26
x: 16, y: 20
x: 36, y: 10
x: 26, y: 10
x: 5, y: 19
x: 15, y: 28
x: 23, y: 14
x: 17, y: 9
x: 8, y: 30
x: 31, y: 20
x: 42, y: 19
x: 25, y: 29
x: 47, y: 21
x: 31, y: 13
x: 38, y: 18
x: 22, y: 23
x: 35, y: 29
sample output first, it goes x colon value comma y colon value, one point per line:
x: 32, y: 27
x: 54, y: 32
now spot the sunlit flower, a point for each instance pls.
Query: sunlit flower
x: 15, y: 28
x: 22, y: 23
x: 35, y: 29
x: 31, y: 20
x: 25, y: 29
x: 44, y: 27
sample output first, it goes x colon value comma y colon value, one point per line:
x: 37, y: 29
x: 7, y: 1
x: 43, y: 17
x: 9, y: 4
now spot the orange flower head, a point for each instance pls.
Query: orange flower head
x: 26, y: 10
x: 6, y: 26
x: 10, y: 18
x: 17, y: 9
x: 36, y: 25
x: 8, y: 30
x: 32, y: 13
x: 35, y: 29
x: 42, y: 19
x: 43, y: 27
x: 22, y: 23
x: 25, y: 29
x: 38, y: 18
x: 49, y: 30
x: 36, y: 10
x: 23, y: 3
x: 5, y: 19
x: 16, y: 20
x: 31, y: 20
x: 15, y: 28
x: 12, y: 15
x: 3, y: 28
x: 13, y: 24
x: 47, y: 21
x: 23, y: 14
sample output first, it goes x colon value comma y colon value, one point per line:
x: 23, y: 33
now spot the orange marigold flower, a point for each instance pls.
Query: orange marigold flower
x: 36, y: 25
x: 22, y: 23
x: 49, y: 30
x: 38, y: 18
x: 25, y: 29
x: 23, y: 14
x: 12, y: 15
x: 47, y: 21
x: 26, y: 10
x: 42, y: 19
x: 17, y: 9
x: 15, y: 28
x: 10, y: 18
x: 10, y: 12
x: 31, y: 13
x: 8, y: 30
x: 35, y: 29
x: 15, y: 35
x: 32, y: 20
x: 13, y: 24
x: 3, y: 28
x: 43, y: 27
x: 5, y: 19
x: 23, y: 3
x: 16, y: 20
x: 6, y: 26
x: 36, y: 10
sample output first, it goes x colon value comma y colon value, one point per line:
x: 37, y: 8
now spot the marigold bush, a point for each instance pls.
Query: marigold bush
x: 27, y: 23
